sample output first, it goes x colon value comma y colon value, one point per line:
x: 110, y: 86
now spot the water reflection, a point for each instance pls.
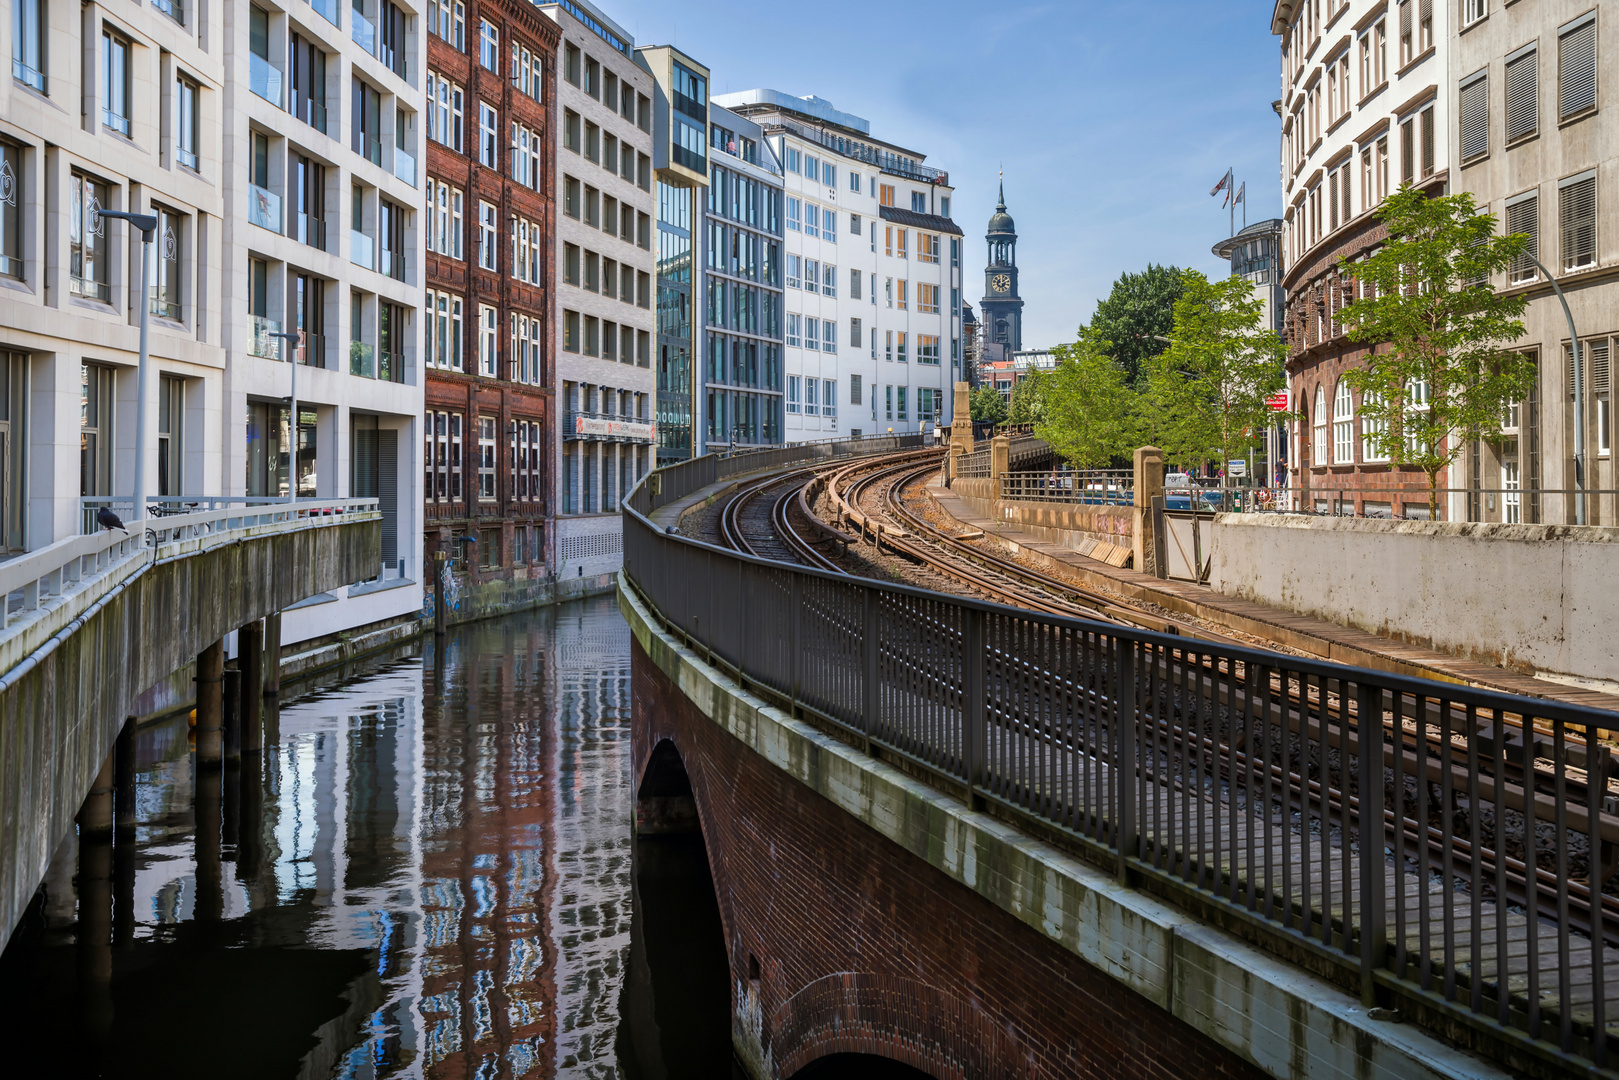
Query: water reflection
x: 429, y: 872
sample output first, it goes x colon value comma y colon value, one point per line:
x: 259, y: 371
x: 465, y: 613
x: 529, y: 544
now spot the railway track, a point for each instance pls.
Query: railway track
x: 1437, y: 765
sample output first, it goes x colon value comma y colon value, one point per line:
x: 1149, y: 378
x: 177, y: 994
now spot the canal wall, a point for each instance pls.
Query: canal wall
x: 470, y: 595
x: 865, y: 911
x: 1438, y: 584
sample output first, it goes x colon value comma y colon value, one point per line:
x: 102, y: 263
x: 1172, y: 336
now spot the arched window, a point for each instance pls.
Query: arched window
x: 1319, y: 453
x: 1343, y: 425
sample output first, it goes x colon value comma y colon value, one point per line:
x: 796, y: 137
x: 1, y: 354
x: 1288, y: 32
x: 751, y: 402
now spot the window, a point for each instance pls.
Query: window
x: 1474, y: 10
x: 854, y: 185
x: 488, y: 341
x: 444, y: 111
x: 1320, y: 457
x: 795, y: 277
x: 488, y: 126
x: 1343, y: 425
x: 1426, y: 120
x: 1367, y: 82
x: 526, y: 151
x: 87, y: 239
x: 903, y: 413
x: 528, y: 71
x: 812, y: 333
x: 1523, y: 107
x: 885, y: 194
x: 570, y: 130
x: 903, y: 289
x: 571, y: 64
x: 927, y: 349
x: 854, y: 285
x: 927, y: 247
x: 448, y: 19
x: 1380, y: 53
x: 795, y: 329
x: 888, y: 402
x: 829, y: 280
x: 28, y: 29
x: 12, y: 199
x: 1408, y: 39
x: 794, y: 392
x: 171, y: 397
x: 443, y: 330
x: 489, y: 46
x: 1523, y: 216
x: 96, y: 405
x: 919, y: 202
x: 1577, y: 67
x: 444, y: 218
x: 794, y: 214
x: 367, y: 122
x: 829, y: 224
x: 899, y: 347
x: 829, y: 336
x: 1577, y: 199
x: 1475, y: 117
x: 1408, y: 150
x: 1382, y: 168
x: 1371, y: 430
x: 927, y: 298
x: 901, y: 237
x: 488, y: 249
x: 115, y: 71
x: 166, y: 253
x: 812, y: 219
x: 829, y: 393
x: 593, y: 78
x: 926, y: 403
x: 486, y: 465
x: 185, y: 121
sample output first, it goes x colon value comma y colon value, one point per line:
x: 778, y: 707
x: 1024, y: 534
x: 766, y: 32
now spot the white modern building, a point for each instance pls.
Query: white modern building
x: 605, y: 325
x: 108, y: 108
x: 872, y: 273
x: 320, y: 126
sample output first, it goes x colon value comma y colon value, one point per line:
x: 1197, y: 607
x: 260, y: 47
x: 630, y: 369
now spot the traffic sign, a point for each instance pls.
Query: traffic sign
x: 1277, y: 401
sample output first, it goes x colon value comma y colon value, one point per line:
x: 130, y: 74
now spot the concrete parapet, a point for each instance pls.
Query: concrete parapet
x: 1149, y: 484
x: 1000, y: 451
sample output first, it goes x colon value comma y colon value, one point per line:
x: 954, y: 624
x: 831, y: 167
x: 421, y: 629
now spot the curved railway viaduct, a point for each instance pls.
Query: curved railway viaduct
x: 989, y: 843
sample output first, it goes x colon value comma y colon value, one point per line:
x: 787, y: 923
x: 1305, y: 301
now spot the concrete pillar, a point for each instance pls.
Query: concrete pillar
x: 1000, y: 453
x: 95, y: 815
x: 1149, y: 484
x: 210, y: 705
x: 94, y: 937
x: 123, y: 758
x: 210, y: 899
x: 250, y: 798
x: 231, y: 719
x: 961, y: 420
x: 250, y: 661
x: 272, y: 655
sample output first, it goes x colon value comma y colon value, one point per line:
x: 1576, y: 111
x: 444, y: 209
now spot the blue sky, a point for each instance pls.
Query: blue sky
x: 1112, y: 119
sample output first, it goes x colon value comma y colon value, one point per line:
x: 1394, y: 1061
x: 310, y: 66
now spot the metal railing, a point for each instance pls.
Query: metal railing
x: 1103, y: 487
x: 1505, y: 505
x: 973, y: 465
x: 711, y: 469
x: 1401, y: 834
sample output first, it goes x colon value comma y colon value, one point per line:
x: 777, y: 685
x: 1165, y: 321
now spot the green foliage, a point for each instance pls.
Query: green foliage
x: 1206, y: 393
x: 1028, y: 399
x: 1439, y: 375
x: 988, y: 407
x: 1088, y: 412
x: 1138, y: 311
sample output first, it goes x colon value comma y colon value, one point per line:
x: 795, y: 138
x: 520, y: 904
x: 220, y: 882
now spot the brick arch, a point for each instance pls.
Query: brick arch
x: 889, y: 1016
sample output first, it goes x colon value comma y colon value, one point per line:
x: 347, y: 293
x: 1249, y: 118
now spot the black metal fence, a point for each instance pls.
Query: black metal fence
x: 1405, y: 832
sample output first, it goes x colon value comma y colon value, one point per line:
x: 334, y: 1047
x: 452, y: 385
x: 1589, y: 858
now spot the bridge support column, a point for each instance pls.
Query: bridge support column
x: 1000, y: 453
x: 272, y: 655
x: 1149, y: 484
x: 94, y: 936
x: 231, y: 720
x: 250, y: 660
x: 210, y: 705
x: 123, y: 863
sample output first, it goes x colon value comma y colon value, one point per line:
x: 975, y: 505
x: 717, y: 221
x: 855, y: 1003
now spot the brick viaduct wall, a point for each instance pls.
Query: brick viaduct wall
x: 842, y: 941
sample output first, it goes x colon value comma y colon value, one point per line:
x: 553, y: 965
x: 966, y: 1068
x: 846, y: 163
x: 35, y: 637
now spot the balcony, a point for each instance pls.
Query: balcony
x: 390, y: 366
x: 361, y: 360
x: 369, y: 147
x: 363, y: 31
x: 259, y: 339
x: 327, y: 10
x: 263, y: 79
x: 405, y: 166
x: 313, y: 113
x: 308, y: 229
x: 362, y: 250
x: 264, y: 208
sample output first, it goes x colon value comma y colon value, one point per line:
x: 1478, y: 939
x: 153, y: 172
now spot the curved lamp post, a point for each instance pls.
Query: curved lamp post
x: 1579, y: 396
x: 147, y: 224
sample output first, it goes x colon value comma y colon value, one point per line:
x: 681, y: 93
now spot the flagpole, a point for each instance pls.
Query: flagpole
x: 1231, y: 190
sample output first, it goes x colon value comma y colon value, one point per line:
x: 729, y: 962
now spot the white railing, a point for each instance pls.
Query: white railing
x: 39, y: 582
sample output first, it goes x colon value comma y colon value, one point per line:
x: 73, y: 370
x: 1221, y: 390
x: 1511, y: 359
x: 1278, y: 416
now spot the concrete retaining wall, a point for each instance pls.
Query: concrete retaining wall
x: 1064, y: 524
x: 1531, y: 597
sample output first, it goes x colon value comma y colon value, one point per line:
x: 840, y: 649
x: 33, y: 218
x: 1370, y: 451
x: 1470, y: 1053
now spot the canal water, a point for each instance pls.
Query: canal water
x: 430, y: 873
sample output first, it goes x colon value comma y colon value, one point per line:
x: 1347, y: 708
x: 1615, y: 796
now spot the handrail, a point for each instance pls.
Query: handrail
x: 1252, y: 783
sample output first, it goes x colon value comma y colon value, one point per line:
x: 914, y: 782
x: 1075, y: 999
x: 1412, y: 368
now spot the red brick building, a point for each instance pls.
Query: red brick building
x: 491, y: 217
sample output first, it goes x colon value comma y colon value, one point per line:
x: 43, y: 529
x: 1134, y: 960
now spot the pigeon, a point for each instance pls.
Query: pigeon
x: 109, y: 520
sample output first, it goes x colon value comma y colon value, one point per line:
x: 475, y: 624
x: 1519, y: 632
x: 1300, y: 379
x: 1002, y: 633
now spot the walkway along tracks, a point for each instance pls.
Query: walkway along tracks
x: 1237, y: 781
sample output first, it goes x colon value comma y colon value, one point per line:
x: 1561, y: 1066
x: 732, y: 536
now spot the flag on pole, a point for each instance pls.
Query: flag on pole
x: 1242, y: 189
x: 1221, y: 186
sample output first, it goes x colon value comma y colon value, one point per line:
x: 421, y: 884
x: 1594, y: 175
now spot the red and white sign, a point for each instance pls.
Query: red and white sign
x: 1277, y: 401
x: 614, y: 429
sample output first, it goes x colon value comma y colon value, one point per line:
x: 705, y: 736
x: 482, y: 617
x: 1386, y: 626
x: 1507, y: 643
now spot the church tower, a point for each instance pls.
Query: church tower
x: 1002, y: 309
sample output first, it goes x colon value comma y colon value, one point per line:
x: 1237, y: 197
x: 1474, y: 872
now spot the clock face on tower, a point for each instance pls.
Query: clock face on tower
x: 1001, y: 283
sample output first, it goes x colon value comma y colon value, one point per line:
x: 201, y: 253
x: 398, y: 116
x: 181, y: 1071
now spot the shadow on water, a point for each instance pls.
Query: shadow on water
x: 675, y: 1006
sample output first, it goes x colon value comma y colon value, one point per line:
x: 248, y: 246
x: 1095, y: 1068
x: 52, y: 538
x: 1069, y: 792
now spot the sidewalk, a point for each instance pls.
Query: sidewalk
x: 1305, y: 633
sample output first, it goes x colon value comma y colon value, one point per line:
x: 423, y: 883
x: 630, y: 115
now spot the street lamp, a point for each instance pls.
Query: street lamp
x: 297, y: 342
x: 147, y: 224
x: 1579, y: 396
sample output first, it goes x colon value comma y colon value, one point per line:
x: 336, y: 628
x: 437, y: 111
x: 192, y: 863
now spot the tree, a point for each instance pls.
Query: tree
x: 1206, y: 392
x: 1438, y: 374
x: 988, y: 407
x: 1136, y: 314
x: 1028, y: 399
x: 1089, y: 409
